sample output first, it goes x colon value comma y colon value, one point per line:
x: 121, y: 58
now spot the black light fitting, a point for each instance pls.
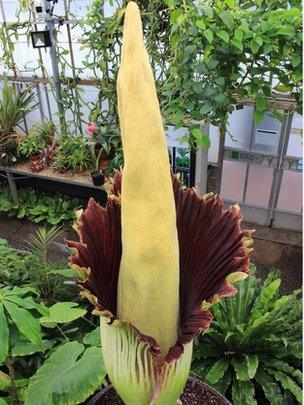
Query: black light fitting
x: 41, y: 39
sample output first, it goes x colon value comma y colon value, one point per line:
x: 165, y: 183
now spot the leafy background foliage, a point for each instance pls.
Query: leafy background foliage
x: 48, y: 345
x: 39, y: 207
x: 253, y: 349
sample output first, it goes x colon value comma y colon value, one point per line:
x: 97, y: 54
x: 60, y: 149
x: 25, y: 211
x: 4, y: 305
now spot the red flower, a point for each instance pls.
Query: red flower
x: 91, y: 128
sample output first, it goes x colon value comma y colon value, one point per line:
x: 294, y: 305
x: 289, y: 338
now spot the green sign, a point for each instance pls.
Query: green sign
x: 234, y: 154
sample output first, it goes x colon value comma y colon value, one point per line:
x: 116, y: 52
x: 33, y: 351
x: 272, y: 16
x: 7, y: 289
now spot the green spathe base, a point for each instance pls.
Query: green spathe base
x: 134, y: 372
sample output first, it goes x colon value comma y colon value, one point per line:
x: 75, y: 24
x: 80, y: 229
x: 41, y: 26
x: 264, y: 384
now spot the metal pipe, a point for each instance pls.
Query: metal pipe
x: 220, y: 161
x: 77, y: 98
x: 192, y: 167
x: 40, y: 104
x: 278, y: 171
x: 201, y: 171
x: 12, y: 186
x: 56, y: 75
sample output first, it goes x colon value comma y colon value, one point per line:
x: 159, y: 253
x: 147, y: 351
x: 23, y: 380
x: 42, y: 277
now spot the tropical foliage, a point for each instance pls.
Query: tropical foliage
x: 253, y: 350
x: 73, y: 153
x: 39, y: 137
x: 14, y: 105
x: 39, y: 207
x: 39, y: 339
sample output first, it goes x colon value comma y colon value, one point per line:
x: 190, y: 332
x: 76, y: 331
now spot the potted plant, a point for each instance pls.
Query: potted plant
x: 13, y: 107
x: 73, y: 154
x: 39, y: 146
x: 97, y: 175
x: 105, y: 136
x: 158, y: 256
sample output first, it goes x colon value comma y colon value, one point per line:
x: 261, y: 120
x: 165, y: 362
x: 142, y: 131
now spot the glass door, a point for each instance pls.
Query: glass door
x: 262, y: 168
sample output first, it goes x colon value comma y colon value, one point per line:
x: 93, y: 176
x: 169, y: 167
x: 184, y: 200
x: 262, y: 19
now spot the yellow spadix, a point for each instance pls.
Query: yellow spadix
x: 148, y: 287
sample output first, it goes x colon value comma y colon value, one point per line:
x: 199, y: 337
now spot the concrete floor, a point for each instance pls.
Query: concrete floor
x: 272, y: 248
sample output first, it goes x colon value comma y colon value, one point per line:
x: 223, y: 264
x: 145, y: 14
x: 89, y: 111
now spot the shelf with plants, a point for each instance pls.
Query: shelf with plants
x: 46, y: 154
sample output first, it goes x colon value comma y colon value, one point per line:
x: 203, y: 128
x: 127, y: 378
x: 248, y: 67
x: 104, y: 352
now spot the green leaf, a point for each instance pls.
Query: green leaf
x: 223, y: 384
x: 209, y: 35
x: 261, y: 104
x: 258, y: 40
x: 5, y: 249
x: 243, y: 393
x: 295, y: 60
x: 285, y: 31
x: 196, y: 132
x: 254, y: 46
x: 252, y: 364
x: 3, y: 402
x: 282, y: 88
x: 286, y: 368
x: 271, y: 389
x: 69, y: 273
x: 237, y: 44
x: 200, y: 24
x: 63, y: 312
x: 217, y: 370
x: 241, y: 369
x: 27, y: 303
x: 288, y: 384
x: 4, y: 335
x: 26, y: 348
x: 92, y: 338
x: 25, y: 322
x: 268, y: 48
x: 258, y: 116
x: 175, y: 39
x: 223, y: 35
x: 227, y: 18
x: 66, y: 378
x: 230, y: 3
x: 265, y: 299
x: 206, y: 109
x: 201, y: 139
x: 177, y: 16
x: 239, y: 34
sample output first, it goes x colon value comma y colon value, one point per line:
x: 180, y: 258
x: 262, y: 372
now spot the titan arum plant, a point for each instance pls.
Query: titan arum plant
x: 158, y: 256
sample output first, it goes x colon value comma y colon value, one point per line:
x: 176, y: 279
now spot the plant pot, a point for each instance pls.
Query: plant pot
x: 98, y: 178
x: 196, y: 392
x: 78, y: 170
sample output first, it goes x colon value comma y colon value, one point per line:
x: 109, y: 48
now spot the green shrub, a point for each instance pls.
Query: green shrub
x: 31, y: 145
x: 14, y: 105
x: 252, y: 351
x: 73, y: 153
x: 34, y: 350
x: 40, y: 136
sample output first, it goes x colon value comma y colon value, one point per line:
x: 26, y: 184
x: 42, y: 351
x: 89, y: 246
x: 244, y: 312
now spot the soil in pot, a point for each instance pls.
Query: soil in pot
x: 195, y: 393
x: 98, y: 178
